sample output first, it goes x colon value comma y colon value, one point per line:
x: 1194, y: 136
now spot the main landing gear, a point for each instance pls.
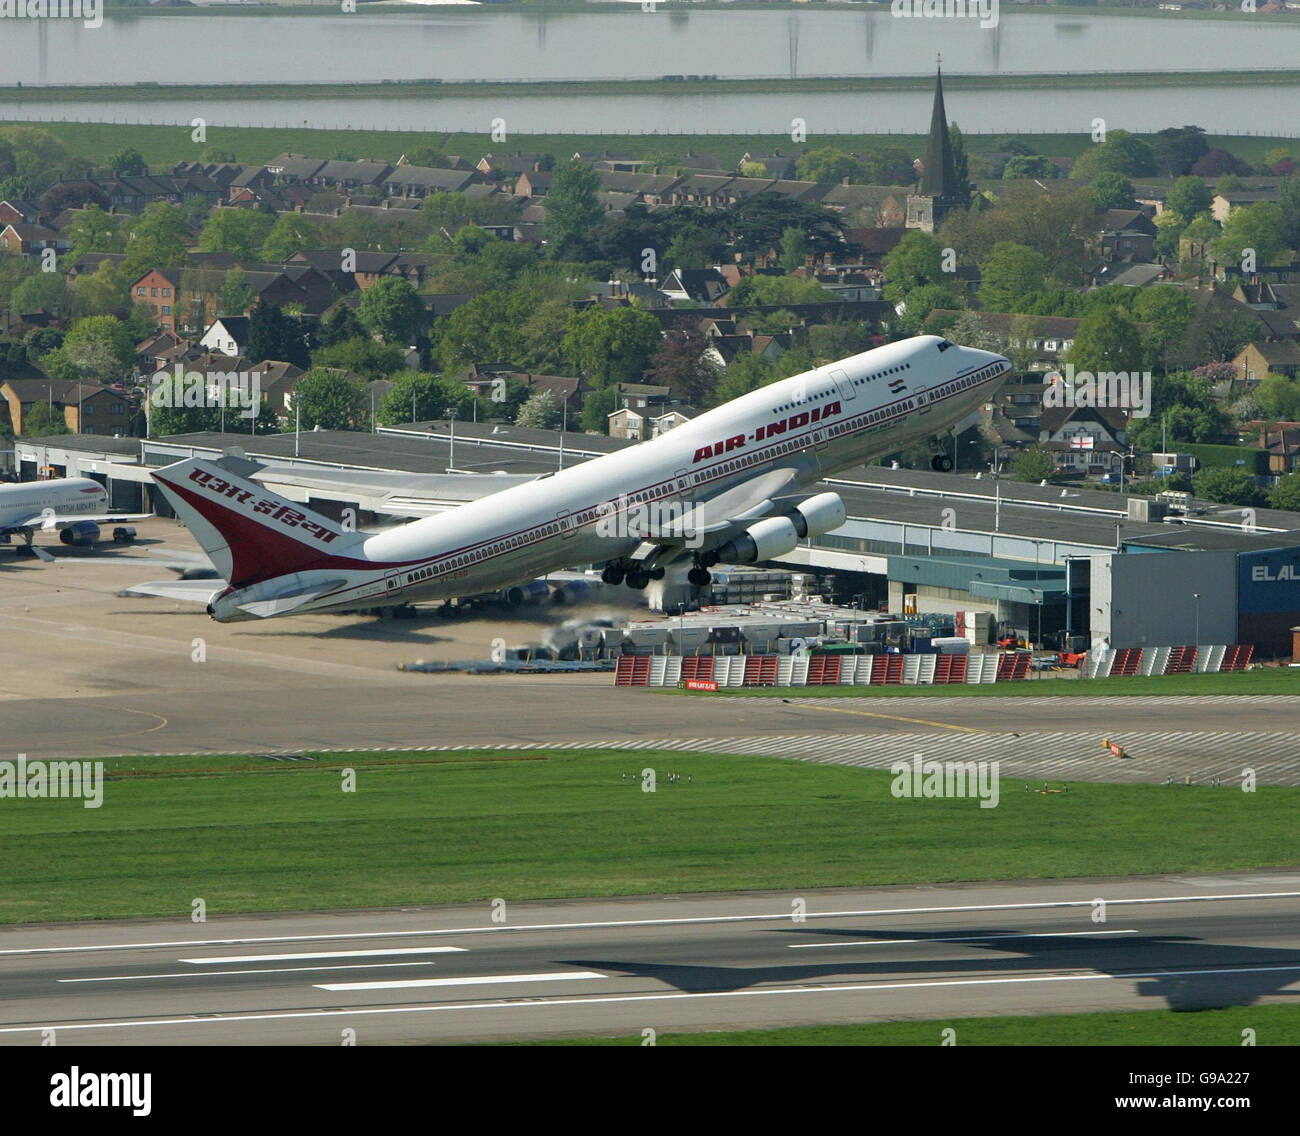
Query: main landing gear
x: 635, y: 576
x: 941, y: 463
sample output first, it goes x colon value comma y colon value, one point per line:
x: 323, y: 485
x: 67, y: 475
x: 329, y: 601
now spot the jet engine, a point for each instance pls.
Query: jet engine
x: 533, y: 592
x: 776, y: 536
x: 80, y: 534
x: 573, y: 592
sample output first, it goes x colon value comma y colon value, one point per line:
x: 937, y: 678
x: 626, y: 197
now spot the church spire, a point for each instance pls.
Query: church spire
x: 939, y: 178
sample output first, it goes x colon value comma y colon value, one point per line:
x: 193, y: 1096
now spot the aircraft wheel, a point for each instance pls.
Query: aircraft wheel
x: 612, y: 574
x: 656, y: 573
x: 637, y: 579
x: 700, y: 577
x: 941, y: 463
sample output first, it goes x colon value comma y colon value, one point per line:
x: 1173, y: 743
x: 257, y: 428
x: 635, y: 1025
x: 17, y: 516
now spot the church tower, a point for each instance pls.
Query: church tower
x: 937, y: 193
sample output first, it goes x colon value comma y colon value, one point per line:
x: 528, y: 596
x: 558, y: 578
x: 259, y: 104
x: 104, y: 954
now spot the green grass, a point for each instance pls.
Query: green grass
x: 433, y: 89
x: 167, y: 145
x: 1271, y: 680
x: 1273, y: 1025
x: 250, y: 834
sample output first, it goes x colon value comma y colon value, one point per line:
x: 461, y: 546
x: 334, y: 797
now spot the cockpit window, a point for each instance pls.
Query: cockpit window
x: 943, y: 345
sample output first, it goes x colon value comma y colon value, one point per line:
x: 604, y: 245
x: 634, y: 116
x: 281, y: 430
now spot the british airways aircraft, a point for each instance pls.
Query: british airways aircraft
x: 731, y: 485
x: 75, y: 507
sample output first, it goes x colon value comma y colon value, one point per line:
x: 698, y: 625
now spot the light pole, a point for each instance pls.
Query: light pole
x: 564, y: 426
x: 1196, y: 596
x: 451, y: 453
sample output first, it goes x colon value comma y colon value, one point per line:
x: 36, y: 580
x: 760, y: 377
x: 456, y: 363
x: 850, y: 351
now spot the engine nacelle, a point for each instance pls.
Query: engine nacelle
x: 573, y: 592
x: 763, y: 540
x: 80, y: 534
x: 533, y: 592
x: 821, y: 514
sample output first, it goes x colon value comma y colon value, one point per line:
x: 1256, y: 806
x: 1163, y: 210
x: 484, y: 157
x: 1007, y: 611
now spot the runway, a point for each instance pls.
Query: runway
x: 622, y: 967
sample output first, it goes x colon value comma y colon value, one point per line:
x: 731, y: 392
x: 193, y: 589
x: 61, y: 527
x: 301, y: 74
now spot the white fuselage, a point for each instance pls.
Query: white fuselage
x: 811, y: 426
x: 61, y: 497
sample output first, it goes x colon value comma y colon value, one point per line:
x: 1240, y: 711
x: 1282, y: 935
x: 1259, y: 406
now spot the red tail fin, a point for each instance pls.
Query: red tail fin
x: 249, y: 532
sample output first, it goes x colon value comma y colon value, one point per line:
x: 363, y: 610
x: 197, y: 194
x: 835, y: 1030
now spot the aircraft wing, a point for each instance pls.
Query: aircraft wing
x: 398, y: 494
x: 187, y: 591
x: 49, y: 521
x: 714, y: 517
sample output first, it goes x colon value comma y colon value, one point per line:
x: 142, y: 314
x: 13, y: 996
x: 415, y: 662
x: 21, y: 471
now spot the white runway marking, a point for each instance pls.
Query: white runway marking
x: 267, y: 970
x: 471, y: 980
x: 959, y: 939
x: 611, y: 999
x: 323, y: 955
x: 671, y: 922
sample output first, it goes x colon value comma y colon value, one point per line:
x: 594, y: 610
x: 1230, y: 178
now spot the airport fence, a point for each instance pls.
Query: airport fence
x: 819, y: 670
x: 1214, y: 659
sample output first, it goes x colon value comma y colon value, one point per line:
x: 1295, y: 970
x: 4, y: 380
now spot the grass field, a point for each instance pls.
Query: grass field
x: 253, y: 834
x: 1272, y: 680
x: 1273, y: 1025
x: 167, y: 145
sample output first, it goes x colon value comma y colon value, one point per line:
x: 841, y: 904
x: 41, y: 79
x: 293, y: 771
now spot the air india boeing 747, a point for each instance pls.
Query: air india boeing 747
x: 730, y: 486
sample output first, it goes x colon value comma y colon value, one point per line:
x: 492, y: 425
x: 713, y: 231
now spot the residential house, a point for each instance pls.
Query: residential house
x: 31, y: 241
x: 884, y: 206
x: 421, y: 181
x: 228, y: 334
x: 88, y: 408
x: 703, y: 285
x: 1082, y: 437
x: 1282, y: 441
x: 1268, y: 357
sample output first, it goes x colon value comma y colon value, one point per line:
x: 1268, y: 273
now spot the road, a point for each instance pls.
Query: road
x: 619, y: 967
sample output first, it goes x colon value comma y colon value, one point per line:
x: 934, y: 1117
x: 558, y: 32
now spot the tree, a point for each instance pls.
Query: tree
x: 64, y: 195
x: 43, y: 421
x: 128, y: 163
x: 1183, y: 409
x: 970, y: 329
x: 240, y: 232
x: 1260, y: 227
x: 890, y: 165
x: 679, y: 364
x: 99, y: 347
x: 794, y: 248
x: 1286, y: 493
x: 1169, y: 310
x: 1227, y: 486
x: 1189, y: 196
x: 772, y: 290
x: 157, y: 238
x: 44, y: 291
x: 1176, y: 149
x: 289, y: 234
x: 1214, y: 163
x: 1028, y: 166
x: 612, y: 346
x: 596, y: 409
x: 916, y: 260
x: 540, y: 412
x: 573, y: 208
x: 362, y: 357
x: 1279, y: 397
x: 1121, y: 152
x: 237, y: 294
x: 103, y: 292
x: 922, y: 301
x: 1010, y: 275
x: 392, y: 309
x: 91, y: 230
x: 828, y: 166
x: 330, y: 400
x: 274, y: 335
x: 1034, y: 465
x: 430, y: 395
x: 1112, y: 190
x: 340, y: 325
x: 1107, y: 340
